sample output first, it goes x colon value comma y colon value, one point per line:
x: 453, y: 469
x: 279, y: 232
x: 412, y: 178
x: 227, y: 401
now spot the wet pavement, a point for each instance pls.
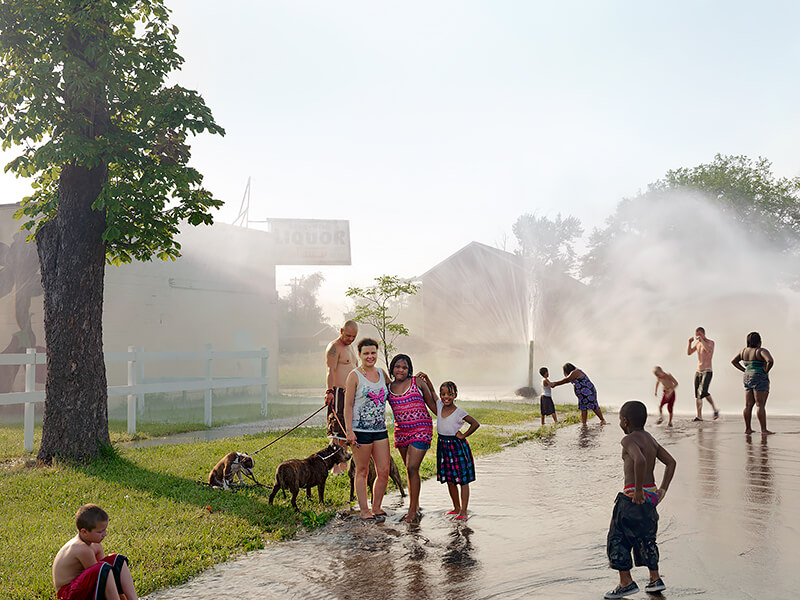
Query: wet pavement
x: 729, y: 527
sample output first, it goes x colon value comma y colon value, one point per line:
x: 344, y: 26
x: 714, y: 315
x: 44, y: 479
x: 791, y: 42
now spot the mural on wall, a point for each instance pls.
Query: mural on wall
x: 19, y: 276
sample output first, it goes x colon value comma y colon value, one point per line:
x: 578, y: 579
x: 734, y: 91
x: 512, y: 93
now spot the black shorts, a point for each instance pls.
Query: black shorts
x: 546, y: 406
x: 633, y: 527
x: 334, y: 429
x: 702, y: 379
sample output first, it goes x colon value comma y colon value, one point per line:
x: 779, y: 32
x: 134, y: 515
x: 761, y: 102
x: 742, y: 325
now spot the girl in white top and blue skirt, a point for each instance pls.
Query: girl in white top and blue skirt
x: 454, y: 463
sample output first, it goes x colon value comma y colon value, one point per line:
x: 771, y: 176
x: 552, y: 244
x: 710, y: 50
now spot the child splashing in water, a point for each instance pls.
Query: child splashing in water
x: 454, y: 463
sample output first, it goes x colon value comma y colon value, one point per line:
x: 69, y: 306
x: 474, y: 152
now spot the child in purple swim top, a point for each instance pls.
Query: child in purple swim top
x: 454, y: 463
x: 410, y: 399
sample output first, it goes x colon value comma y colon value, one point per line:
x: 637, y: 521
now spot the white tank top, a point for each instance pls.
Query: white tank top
x: 369, y: 404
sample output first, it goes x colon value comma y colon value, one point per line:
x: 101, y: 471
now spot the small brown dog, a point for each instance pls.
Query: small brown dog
x: 394, y: 475
x: 233, y: 464
x: 296, y: 474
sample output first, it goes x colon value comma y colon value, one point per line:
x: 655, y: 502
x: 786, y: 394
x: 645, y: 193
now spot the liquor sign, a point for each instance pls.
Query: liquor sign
x: 311, y: 241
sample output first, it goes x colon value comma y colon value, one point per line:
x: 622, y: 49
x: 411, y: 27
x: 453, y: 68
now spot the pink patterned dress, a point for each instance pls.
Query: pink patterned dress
x: 412, y: 421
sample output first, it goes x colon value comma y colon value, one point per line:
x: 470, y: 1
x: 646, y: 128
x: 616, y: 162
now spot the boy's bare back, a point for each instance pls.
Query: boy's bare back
x: 640, y: 451
x: 74, y: 557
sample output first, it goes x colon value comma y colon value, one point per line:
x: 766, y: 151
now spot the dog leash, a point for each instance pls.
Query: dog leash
x: 285, y: 433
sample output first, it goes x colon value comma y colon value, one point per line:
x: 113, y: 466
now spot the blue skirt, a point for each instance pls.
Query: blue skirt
x: 454, y: 462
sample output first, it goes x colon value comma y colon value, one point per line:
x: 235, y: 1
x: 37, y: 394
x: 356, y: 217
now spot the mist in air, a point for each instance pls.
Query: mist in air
x: 683, y: 264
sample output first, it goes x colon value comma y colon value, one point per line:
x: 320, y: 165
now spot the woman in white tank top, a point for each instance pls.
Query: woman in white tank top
x: 365, y: 420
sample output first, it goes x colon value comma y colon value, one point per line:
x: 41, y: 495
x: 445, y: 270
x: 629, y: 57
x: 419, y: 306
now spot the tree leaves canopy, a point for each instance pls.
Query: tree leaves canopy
x: 548, y: 242
x: 378, y: 305
x: 57, y: 57
x: 747, y: 191
x: 743, y: 190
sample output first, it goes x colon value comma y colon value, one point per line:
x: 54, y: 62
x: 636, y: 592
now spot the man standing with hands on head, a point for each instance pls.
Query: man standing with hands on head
x: 340, y: 359
x: 702, y: 378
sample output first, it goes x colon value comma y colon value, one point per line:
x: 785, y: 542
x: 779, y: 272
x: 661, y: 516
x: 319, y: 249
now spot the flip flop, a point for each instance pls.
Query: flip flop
x: 461, y: 518
x: 383, y: 514
x: 451, y: 512
x: 368, y: 519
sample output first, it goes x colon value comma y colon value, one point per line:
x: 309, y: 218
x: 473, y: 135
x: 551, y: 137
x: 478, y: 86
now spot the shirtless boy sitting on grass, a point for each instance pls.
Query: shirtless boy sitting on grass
x: 668, y: 385
x: 82, y: 572
x: 634, y: 522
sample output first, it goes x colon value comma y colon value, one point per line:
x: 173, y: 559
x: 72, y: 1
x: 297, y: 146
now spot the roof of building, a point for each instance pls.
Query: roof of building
x: 476, y: 247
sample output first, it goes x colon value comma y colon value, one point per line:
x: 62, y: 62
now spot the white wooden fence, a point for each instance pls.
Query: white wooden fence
x: 137, y: 388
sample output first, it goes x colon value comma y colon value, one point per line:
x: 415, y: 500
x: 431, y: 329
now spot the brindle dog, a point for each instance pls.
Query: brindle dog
x: 296, y: 474
x: 394, y: 475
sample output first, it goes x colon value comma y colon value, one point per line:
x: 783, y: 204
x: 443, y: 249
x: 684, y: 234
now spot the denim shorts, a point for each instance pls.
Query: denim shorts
x: 367, y: 437
x: 420, y: 446
x: 758, y: 382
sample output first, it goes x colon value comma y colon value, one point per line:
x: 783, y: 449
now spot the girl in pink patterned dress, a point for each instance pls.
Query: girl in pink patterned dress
x: 411, y: 398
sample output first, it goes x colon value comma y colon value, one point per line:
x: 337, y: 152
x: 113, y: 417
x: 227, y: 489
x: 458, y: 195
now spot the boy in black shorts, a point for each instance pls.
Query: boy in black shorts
x: 634, y: 522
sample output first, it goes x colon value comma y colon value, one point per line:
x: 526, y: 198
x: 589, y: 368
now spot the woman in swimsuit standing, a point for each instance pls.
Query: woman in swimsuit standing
x: 584, y: 390
x: 757, y: 364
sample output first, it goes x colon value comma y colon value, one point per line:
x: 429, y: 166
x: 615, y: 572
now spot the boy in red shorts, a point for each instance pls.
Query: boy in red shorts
x: 82, y: 572
x: 668, y: 384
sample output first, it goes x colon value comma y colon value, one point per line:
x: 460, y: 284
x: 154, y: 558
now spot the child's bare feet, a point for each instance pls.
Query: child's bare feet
x: 767, y: 432
x: 748, y: 431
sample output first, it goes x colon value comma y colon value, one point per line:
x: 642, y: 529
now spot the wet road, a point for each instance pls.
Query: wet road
x: 729, y: 528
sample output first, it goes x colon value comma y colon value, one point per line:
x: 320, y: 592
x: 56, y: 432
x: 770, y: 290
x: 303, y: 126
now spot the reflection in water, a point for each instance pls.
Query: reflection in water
x: 458, y: 556
x: 538, y: 528
x: 588, y: 436
x: 707, y: 471
x: 759, y: 492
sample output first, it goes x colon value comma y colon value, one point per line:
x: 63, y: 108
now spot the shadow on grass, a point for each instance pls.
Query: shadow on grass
x: 249, y: 503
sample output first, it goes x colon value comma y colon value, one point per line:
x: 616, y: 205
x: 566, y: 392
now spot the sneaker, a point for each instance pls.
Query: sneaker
x: 655, y: 586
x: 697, y: 419
x: 621, y: 592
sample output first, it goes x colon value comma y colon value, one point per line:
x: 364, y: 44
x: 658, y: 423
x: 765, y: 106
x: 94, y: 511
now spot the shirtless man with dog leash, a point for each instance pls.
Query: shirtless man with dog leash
x: 340, y: 359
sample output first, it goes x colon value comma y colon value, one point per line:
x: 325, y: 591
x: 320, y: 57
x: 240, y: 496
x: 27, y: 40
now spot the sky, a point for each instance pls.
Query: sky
x: 431, y: 125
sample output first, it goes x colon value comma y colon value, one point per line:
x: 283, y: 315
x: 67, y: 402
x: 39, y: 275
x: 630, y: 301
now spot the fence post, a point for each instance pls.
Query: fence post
x: 140, y: 379
x: 208, y: 398
x: 132, y: 369
x: 264, y: 355
x: 30, y: 386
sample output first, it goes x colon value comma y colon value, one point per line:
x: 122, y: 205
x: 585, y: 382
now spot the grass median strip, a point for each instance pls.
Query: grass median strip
x: 170, y: 527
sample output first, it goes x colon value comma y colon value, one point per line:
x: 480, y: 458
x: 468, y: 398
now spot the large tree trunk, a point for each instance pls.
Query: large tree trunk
x: 72, y: 258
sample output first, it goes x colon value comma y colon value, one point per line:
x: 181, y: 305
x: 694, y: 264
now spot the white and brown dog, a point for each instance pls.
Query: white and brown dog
x: 233, y: 464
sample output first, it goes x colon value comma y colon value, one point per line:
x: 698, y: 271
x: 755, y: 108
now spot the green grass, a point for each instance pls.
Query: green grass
x: 170, y: 527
